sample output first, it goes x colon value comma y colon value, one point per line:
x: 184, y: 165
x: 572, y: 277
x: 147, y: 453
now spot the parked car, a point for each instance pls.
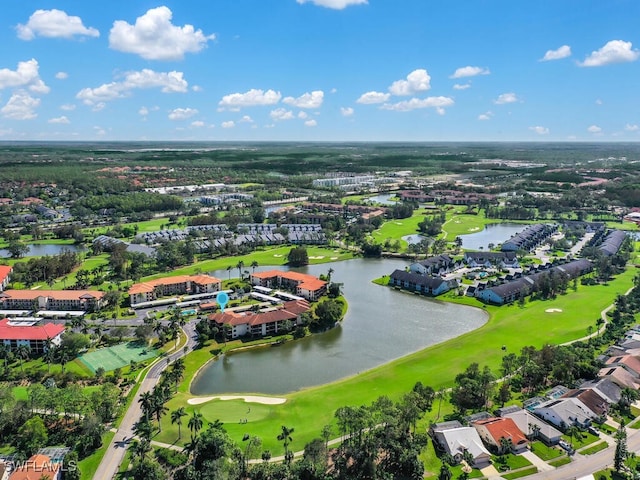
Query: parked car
x: 593, y: 431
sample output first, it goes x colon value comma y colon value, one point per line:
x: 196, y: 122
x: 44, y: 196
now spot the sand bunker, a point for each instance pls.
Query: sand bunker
x: 320, y: 257
x: 474, y: 229
x: 277, y: 255
x: 553, y: 310
x: 246, y: 398
x: 334, y: 258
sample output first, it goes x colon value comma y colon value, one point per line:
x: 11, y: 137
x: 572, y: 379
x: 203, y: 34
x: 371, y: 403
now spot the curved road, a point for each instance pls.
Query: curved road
x: 114, y: 455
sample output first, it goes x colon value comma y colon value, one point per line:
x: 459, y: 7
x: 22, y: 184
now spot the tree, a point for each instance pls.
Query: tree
x: 195, y: 423
x: 298, y: 257
x: 240, y: 266
x: 573, y: 431
x: 146, y: 404
x: 286, y: 439
x: 32, y: 436
x: 23, y: 353
x: 254, y: 265
x: 620, y: 454
x: 176, y: 417
x: 445, y: 472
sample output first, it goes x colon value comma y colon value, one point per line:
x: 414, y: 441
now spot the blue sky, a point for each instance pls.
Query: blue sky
x: 320, y: 70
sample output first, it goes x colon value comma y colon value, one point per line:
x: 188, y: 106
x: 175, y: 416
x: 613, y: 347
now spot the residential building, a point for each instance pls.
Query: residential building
x: 5, y: 274
x: 438, y: 265
x: 178, y: 285
x: 604, y: 387
x: 493, y: 430
x: 532, y: 425
x: 82, y: 300
x: 14, y: 334
x: 529, y: 238
x: 612, y: 242
x: 306, y: 286
x: 629, y: 362
x: 37, y: 467
x: 491, y: 259
x: 620, y: 376
x: 455, y: 440
x: 591, y: 399
x: 565, y: 412
x: 265, y: 322
x: 413, y: 282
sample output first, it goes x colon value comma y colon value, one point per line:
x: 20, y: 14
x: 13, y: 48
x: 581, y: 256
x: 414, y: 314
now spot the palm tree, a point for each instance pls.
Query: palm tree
x: 159, y: 409
x: 23, y: 352
x: 329, y: 273
x: 139, y: 449
x: 240, y: 266
x: 573, y: 431
x: 146, y: 403
x: 176, y: 417
x: 229, y: 271
x: 285, y: 438
x: 254, y: 265
x: 49, y: 354
x: 195, y: 422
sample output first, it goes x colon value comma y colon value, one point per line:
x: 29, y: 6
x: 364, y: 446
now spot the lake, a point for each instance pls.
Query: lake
x: 382, y: 199
x: 493, y: 233
x: 381, y: 325
x: 46, y: 249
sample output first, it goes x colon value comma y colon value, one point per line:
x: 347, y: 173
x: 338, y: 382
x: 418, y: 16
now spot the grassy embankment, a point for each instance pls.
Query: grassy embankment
x: 310, y: 409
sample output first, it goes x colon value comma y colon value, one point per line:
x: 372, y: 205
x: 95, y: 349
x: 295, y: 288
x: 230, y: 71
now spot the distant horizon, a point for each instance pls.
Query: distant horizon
x: 322, y: 71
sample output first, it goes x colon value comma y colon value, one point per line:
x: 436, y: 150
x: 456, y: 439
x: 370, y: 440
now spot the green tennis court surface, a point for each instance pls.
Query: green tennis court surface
x: 117, y: 356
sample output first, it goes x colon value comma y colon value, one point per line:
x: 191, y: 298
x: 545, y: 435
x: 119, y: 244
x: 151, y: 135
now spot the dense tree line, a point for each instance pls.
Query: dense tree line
x: 432, y: 225
x: 47, y: 268
x: 128, y: 203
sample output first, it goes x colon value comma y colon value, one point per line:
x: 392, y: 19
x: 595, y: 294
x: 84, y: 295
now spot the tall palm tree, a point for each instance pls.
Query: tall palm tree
x: 23, y: 353
x: 146, y: 403
x: 139, y: 449
x: 240, y: 266
x: 229, y: 271
x: 49, y: 354
x: 195, y: 423
x: 176, y: 417
x: 285, y: 438
x: 329, y: 273
x: 254, y: 265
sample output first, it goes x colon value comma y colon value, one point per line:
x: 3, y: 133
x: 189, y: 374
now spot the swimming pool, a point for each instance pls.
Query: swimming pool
x: 191, y: 311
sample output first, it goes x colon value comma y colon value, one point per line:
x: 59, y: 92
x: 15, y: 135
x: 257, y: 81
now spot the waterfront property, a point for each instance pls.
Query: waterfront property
x: 82, y: 300
x: 5, y: 274
x: 269, y: 321
x: 14, y: 334
x: 612, y: 242
x: 438, y: 265
x: 525, y: 421
x: 306, y: 286
x: 529, y: 238
x: 493, y: 430
x: 491, y: 259
x: 454, y: 439
x: 140, y: 293
x: 426, y: 285
x: 522, y: 287
x: 565, y: 412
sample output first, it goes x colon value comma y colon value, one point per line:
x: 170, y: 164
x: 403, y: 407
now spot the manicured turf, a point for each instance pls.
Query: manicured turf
x: 310, y: 409
x: 461, y: 224
x: 89, y: 465
x: 593, y: 449
x: 117, y: 356
x: 397, y: 228
x: 521, y: 473
x: 545, y: 452
x: 559, y: 462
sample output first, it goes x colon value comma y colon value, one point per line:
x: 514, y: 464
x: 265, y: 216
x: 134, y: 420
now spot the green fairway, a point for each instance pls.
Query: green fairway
x: 232, y: 411
x: 310, y: 409
x: 117, y: 356
x: 395, y: 229
x: 460, y: 224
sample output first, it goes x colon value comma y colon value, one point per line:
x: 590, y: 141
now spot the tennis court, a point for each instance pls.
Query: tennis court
x: 117, y: 356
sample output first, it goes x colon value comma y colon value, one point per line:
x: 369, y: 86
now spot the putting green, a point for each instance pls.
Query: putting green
x: 233, y: 411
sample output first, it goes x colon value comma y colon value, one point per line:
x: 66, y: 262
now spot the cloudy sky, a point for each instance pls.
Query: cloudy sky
x: 396, y: 70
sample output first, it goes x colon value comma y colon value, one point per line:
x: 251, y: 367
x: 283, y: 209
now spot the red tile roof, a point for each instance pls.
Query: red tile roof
x: 499, y: 427
x: 55, y: 294
x: 147, y: 287
x: 308, y: 282
x: 36, y: 468
x: 5, y: 271
x: 23, y: 332
x: 288, y: 311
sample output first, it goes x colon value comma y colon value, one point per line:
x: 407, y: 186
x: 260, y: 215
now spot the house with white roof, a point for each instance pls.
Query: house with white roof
x: 455, y: 439
x: 565, y: 412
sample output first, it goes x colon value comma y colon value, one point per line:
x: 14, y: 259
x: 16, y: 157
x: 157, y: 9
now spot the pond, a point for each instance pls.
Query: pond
x: 46, y: 249
x: 414, y: 238
x: 381, y: 325
x: 493, y: 233
x: 382, y: 199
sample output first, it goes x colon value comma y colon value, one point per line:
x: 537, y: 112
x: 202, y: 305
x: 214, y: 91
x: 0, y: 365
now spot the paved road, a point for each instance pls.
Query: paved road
x: 115, y: 453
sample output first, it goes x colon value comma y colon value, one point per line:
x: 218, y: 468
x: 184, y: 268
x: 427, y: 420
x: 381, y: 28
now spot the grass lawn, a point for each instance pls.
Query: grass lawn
x: 395, y: 229
x: 89, y: 465
x: 310, y: 409
x: 584, y: 439
x: 513, y: 462
x: 559, y: 462
x: 609, y: 474
x: 464, y: 224
x: 545, y: 452
x: 39, y: 364
x: 521, y: 473
x: 608, y: 429
x: 594, y: 448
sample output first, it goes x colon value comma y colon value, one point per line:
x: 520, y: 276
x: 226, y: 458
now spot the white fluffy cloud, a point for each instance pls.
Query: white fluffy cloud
x: 615, y: 51
x: 346, y: 111
x: 594, y: 129
x: 167, y: 82
x: 485, y: 116
x: 182, y: 113
x: 54, y: 24
x: 62, y: 120
x: 197, y: 124
x: 470, y: 71
x: 506, y: 98
x: 246, y: 119
x: 461, y: 86
x: 68, y: 107
x: 281, y: 114
x: 417, y: 81
x: 540, y: 130
x: 62, y: 75
x: 563, y: 52
x: 335, y: 4
x: 21, y: 106
x: 307, y: 100
x: 229, y: 124
x: 154, y: 37
x: 311, y: 123
x: 373, y: 97
x: 631, y: 128
x: 252, y: 98
x: 439, y: 103
x: 25, y: 76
